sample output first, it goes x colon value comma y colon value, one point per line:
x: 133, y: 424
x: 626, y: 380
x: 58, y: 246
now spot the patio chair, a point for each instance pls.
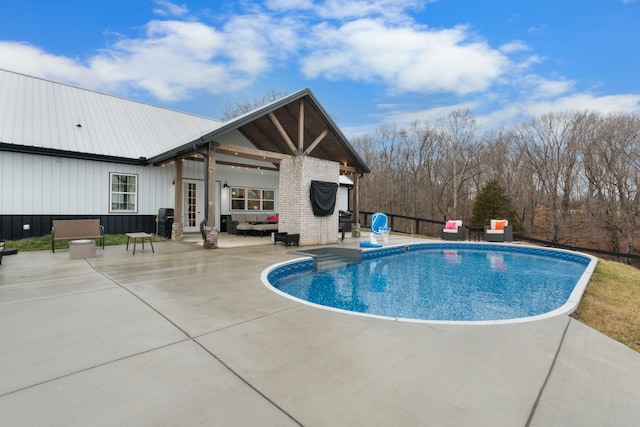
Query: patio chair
x: 379, y: 227
x: 498, y: 231
x: 453, y: 230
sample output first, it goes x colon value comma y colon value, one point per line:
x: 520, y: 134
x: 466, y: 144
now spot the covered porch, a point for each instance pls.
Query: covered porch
x: 264, y: 161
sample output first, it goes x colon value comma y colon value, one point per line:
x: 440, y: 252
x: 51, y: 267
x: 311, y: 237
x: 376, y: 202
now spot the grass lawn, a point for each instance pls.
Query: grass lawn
x: 611, y: 302
x: 44, y: 243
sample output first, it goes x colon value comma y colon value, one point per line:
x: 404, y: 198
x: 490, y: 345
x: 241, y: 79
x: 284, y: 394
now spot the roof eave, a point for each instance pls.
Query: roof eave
x: 27, y: 149
x: 244, y: 119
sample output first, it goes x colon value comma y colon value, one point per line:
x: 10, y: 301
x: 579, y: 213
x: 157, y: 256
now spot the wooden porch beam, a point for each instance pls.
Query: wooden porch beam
x: 355, y: 216
x: 177, y: 188
x: 251, y: 153
x: 347, y: 169
x: 246, y: 166
x: 282, y: 132
x: 316, y: 142
x: 301, y: 128
x: 211, y: 186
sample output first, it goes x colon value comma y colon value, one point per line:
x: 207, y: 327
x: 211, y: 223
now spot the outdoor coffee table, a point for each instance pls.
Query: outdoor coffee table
x: 142, y: 236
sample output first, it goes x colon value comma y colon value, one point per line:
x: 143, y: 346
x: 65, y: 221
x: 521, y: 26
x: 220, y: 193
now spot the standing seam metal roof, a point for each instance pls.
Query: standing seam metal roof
x: 43, y: 114
x: 38, y: 115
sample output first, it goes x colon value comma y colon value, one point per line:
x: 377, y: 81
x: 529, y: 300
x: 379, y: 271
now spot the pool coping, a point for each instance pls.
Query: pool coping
x: 572, y: 303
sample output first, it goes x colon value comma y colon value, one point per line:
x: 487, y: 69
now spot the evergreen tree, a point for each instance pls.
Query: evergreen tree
x: 494, y: 203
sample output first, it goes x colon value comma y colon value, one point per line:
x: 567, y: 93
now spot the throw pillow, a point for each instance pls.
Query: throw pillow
x: 501, y: 224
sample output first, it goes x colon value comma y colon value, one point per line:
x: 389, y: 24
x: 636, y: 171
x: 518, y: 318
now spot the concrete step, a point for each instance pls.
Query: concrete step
x: 330, y: 262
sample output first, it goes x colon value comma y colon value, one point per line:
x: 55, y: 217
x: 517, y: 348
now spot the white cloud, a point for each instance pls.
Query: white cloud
x: 537, y: 30
x: 289, y: 5
x: 514, y: 46
x: 173, y: 58
x: 27, y: 59
x: 524, y: 109
x: 393, y: 10
x: 254, y: 41
x: 170, y: 61
x: 541, y: 88
x: 167, y: 8
x: 364, y: 42
x: 534, y: 96
x: 407, y: 58
x: 404, y: 118
x: 584, y: 101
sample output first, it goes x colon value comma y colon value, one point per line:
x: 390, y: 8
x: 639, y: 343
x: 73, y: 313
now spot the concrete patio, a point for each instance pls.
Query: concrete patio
x: 188, y: 336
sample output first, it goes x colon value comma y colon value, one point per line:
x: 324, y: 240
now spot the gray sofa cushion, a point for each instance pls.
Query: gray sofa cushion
x: 266, y: 227
x: 250, y: 217
x: 237, y: 218
x: 251, y: 222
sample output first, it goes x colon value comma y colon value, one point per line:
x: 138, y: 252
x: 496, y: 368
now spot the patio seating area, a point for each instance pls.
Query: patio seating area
x: 188, y: 336
x: 252, y: 224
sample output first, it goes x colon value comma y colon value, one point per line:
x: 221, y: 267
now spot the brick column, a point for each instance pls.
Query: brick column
x: 294, y: 204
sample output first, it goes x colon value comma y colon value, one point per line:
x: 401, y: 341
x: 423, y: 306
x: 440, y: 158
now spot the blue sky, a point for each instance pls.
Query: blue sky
x: 368, y: 62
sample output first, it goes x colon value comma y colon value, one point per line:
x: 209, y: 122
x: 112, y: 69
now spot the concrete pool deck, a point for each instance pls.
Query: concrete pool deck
x: 188, y: 336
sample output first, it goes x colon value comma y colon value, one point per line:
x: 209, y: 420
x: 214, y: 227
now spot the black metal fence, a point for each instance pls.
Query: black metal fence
x: 432, y: 228
x: 407, y: 224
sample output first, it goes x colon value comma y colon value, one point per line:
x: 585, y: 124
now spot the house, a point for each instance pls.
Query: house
x: 67, y: 153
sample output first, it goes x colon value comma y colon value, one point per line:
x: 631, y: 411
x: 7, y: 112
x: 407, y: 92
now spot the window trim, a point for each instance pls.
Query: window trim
x: 246, y: 199
x: 134, y: 193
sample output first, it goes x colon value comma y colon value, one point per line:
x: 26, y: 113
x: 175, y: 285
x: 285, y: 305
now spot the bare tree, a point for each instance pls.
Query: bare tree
x: 231, y: 111
x: 380, y: 189
x: 461, y: 163
x: 549, y: 144
x: 612, y: 164
x: 502, y: 161
x: 420, y: 152
x: 572, y: 177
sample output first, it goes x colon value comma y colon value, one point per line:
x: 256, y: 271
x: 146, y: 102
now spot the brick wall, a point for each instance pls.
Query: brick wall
x: 294, y: 205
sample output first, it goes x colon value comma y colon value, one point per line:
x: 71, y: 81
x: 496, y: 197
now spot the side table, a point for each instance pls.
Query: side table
x: 476, y: 234
x: 142, y: 236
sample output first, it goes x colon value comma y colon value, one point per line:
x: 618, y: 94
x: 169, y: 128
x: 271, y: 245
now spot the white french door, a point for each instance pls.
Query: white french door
x: 193, y: 205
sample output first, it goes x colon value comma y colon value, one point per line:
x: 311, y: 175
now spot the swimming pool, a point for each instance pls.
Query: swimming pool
x: 470, y: 282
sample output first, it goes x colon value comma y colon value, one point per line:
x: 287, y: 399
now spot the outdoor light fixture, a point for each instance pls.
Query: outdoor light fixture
x: 225, y: 185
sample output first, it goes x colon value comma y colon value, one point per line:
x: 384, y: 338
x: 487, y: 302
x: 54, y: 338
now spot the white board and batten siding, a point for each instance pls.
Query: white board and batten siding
x: 45, y: 185
x: 235, y: 176
x: 247, y: 178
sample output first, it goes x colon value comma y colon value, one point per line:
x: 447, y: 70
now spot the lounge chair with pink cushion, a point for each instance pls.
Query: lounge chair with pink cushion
x: 453, y: 230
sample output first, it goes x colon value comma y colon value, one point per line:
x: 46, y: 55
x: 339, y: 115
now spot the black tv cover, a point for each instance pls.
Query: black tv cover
x: 323, y: 197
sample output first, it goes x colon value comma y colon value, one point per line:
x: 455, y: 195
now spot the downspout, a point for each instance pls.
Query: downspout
x: 206, y: 184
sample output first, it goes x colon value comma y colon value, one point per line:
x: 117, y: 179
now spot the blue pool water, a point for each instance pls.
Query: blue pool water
x: 442, y: 282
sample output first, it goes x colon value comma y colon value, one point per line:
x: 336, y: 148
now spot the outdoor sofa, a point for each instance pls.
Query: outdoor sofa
x: 250, y: 223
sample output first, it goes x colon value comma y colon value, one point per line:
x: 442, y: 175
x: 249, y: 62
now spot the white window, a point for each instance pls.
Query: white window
x: 124, y: 192
x: 238, y: 202
x: 268, y: 200
x: 253, y: 199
